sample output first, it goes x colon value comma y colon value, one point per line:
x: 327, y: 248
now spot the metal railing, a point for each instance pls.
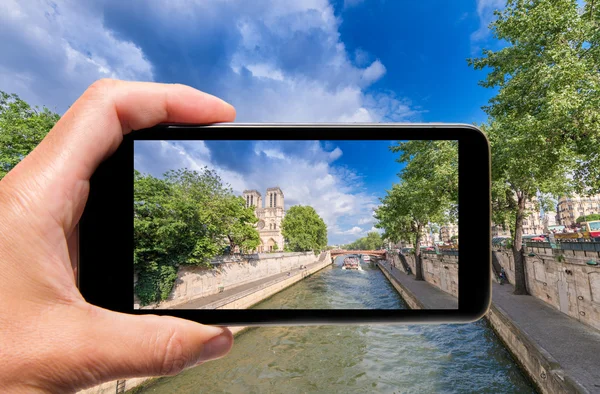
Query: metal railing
x: 446, y: 252
x: 581, y: 246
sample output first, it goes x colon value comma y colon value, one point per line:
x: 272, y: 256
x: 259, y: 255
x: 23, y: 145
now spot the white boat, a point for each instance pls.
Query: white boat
x: 351, y: 263
x: 366, y: 258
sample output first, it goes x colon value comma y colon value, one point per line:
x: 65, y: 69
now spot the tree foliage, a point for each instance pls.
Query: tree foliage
x: 373, y: 241
x: 433, y: 161
x: 304, y: 230
x: 427, y: 193
x: 588, y: 218
x: 544, y: 122
x: 238, y: 224
x: 184, y: 218
x: 22, y: 128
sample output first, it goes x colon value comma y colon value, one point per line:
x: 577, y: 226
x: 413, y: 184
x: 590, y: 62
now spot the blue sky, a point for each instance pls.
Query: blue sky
x: 275, y: 61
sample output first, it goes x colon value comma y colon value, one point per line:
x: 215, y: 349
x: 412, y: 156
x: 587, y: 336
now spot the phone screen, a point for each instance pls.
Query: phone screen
x: 295, y: 224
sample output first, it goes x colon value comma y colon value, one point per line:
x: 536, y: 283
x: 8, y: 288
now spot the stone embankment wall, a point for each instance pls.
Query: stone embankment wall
x: 538, y: 364
x: 561, y: 278
x: 250, y: 297
x: 439, y: 270
x: 195, y: 282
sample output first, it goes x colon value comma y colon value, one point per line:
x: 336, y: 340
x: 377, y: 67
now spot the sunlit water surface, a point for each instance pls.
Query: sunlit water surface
x: 354, y: 359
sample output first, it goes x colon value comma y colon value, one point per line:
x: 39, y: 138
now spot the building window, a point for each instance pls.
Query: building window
x: 274, y: 200
x: 247, y: 201
x: 252, y: 200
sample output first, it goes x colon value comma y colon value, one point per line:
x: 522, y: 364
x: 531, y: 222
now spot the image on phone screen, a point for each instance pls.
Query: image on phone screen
x: 268, y: 224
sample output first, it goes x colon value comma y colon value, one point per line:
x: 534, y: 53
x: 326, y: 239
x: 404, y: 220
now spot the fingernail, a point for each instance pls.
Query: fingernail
x: 216, y: 347
x: 213, y: 331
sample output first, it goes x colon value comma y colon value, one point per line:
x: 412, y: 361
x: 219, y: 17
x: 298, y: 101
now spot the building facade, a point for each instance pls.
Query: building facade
x: 550, y: 219
x: 533, y: 223
x: 570, y: 208
x: 448, y: 231
x: 499, y: 231
x: 269, y: 217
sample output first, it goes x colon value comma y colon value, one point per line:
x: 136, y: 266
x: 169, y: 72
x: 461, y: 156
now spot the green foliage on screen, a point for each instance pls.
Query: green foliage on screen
x: 304, y: 230
x: 184, y: 218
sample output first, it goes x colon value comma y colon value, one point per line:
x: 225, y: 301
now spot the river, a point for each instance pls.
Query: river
x: 462, y: 358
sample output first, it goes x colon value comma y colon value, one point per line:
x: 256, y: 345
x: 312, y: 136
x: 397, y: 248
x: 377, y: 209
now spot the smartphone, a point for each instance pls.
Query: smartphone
x: 292, y: 224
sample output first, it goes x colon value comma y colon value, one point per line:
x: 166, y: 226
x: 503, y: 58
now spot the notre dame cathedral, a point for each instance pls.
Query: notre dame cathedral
x: 269, y: 217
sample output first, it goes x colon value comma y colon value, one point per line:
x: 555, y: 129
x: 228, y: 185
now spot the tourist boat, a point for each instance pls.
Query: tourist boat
x: 366, y: 258
x: 351, y: 263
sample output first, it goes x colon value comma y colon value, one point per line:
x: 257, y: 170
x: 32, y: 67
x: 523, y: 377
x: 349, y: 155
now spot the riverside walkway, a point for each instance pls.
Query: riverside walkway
x: 570, y: 348
x: 216, y: 300
x: 428, y: 295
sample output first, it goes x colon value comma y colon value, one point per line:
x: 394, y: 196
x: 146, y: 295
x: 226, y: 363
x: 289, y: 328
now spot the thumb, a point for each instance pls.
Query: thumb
x: 136, y: 346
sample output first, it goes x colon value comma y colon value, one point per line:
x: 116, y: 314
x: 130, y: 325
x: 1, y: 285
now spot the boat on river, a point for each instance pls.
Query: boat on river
x: 366, y: 258
x: 351, y: 263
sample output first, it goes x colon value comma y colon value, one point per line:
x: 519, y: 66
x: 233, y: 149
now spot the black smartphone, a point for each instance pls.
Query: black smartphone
x: 292, y: 224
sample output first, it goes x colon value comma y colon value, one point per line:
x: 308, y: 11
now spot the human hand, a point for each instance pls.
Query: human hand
x: 51, y: 340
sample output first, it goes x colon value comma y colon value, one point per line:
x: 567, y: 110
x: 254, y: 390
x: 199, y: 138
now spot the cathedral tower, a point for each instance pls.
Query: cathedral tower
x: 253, y: 198
x: 269, y: 217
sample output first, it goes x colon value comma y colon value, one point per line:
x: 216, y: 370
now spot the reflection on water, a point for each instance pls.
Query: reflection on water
x: 335, y: 288
x: 354, y: 359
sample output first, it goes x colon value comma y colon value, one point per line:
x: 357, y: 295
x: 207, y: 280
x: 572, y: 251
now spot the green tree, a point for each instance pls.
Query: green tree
x: 434, y: 161
x: 22, y: 128
x: 303, y: 229
x: 372, y: 241
x: 407, y: 209
x: 187, y: 217
x: 548, y: 80
x: 427, y: 193
x: 160, y: 236
x: 544, y: 124
x: 588, y: 218
x: 238, y: 221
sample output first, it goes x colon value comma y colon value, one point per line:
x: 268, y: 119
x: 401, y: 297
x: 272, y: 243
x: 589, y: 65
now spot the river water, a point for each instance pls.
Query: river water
x: 446, y: 358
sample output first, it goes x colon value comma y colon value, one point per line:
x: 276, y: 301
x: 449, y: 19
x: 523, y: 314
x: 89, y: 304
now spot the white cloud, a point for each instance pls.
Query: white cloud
x: 485, y: 11
x: 335, y: 154
x: 275, y: 61
x: 298, y: 69
x: 353, y: 231
x: 273, y: 153
x: 306, y: 179
x: 372, y: 73
x: 378, y: 230
x: 51, y: 52
x: 265, y: 71
x: 305, y: 73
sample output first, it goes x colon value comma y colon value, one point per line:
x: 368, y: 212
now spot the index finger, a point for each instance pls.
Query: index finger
x: 92, y: 129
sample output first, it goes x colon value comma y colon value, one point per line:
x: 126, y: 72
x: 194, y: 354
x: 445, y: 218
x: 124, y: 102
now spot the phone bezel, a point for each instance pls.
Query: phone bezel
x: 106, y: 279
